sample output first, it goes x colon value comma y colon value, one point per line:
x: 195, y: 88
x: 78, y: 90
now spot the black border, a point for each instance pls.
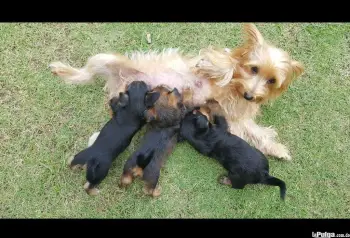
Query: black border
x: 169, y: 227
x: 176, y: 11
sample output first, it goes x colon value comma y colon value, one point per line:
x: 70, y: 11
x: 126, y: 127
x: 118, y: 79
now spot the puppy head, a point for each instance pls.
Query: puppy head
x: 133, y: 99
x: 165, y: 107
x: 264, y: 71
x: 194, y: 122
x: 201, y: 121
x: 117, y: 103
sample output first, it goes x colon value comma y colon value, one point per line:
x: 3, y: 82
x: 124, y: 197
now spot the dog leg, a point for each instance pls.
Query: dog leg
x: 99, y: 64
x: 151, y: 177
x: 263, y: 138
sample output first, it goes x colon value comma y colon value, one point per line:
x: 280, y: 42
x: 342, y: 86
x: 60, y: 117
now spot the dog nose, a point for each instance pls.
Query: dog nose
x: 247, y: 96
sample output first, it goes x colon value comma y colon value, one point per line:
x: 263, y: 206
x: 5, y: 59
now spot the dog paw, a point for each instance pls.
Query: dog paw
x: 125, y: 181
x: 277, y: 150
x: 224, y: 180
x: 152, y: 192
x: 90, y: 191
x: 58, y: 68
x: 156, y: 192
x: 75, y: 167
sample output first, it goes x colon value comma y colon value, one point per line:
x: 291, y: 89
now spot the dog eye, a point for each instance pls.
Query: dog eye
x: 271, y: 81
x: 255, y: 70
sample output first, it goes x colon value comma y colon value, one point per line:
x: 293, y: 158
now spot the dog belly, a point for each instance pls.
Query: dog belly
x: 169, y: 68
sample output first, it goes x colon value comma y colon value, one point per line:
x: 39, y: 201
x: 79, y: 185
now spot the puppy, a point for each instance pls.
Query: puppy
x: 116, y: 134
x: 158, y: 142
x: 245, y: 164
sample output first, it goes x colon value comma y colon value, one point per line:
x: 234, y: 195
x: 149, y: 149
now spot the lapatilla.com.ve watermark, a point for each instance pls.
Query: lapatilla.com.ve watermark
x: 329, y: 234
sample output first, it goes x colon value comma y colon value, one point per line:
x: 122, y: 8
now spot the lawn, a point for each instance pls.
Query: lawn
x: 44, y: 121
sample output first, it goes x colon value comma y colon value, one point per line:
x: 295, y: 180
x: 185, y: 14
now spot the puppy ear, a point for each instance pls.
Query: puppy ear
x: 298, y: 68
x: 176, y: 92
x: 151, y: 98
x: 123, y: 99
x: 113, y: 101
x: 252, y: 34
x: 202, y: 123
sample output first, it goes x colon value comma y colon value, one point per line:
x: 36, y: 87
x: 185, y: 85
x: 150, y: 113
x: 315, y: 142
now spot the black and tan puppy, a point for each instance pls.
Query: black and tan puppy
x: 158, y: 142
x: 116, y: 135
x: 245, y: 164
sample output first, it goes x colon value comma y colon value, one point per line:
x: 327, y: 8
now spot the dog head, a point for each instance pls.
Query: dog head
x: 165, y: 108
x: 194, y: 122
x: 135, y: 100
x: 257, y: 71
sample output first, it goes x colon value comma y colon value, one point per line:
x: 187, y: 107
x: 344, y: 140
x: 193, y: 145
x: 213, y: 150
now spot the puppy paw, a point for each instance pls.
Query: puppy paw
x: 156, y: 192
x: 90, y: 191
x: 125, y: 180
x: 152, y: 192
x: 75, y: 167
x: 224, y: 180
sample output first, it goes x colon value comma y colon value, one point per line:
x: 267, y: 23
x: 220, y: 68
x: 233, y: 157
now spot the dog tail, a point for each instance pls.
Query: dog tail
x: 97, y: 65
x: 144, y: 159
x: 270, y: 180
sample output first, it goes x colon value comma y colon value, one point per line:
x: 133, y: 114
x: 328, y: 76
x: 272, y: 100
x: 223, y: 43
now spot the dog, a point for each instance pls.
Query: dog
x: 127, y: 119
x: 245, y: 164
x: 163, y: 119
x: 241, y: 79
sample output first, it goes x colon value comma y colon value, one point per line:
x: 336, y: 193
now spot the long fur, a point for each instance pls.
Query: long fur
x: 226, y: 75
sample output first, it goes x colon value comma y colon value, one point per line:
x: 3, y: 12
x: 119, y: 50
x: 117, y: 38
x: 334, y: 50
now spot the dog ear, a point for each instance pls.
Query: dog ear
x: 151, y: 98
x: 252, y: 34
x: 298, y: 68
x: 123, y: 99
x: 202, y: 123
x: 176, y: 92
x: 113, y: 103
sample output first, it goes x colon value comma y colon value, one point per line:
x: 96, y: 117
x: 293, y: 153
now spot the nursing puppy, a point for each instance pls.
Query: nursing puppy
x: 245, y: 164
x: 159, y: 141
x: 115, y: 136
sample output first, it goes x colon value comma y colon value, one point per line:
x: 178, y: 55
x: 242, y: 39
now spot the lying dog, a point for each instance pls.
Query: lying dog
x: 245, y: 164
x: 116, y: 134
x: 241, y: 79
x: 159, y: 141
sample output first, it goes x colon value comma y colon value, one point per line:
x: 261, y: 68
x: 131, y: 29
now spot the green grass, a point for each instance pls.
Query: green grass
x: 44, y: 121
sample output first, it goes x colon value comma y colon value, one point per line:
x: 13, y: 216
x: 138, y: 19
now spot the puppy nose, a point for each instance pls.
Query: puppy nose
x: 247, y: 96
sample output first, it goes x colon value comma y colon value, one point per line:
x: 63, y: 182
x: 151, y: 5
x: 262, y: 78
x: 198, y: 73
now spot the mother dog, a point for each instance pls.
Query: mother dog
x: 240, y: 79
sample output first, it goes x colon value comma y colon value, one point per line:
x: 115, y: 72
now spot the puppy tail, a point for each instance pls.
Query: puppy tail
x: 97, y: 65
x: 144, y: 159
x: 270, y: 180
